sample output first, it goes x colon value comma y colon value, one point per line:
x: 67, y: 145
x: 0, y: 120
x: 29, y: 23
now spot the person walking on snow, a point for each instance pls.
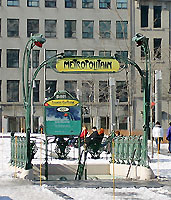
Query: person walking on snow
x: 158, y: 134
x: 168, y: 136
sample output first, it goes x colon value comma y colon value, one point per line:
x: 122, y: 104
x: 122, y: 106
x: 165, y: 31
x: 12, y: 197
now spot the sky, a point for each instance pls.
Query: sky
x: 17, y: 189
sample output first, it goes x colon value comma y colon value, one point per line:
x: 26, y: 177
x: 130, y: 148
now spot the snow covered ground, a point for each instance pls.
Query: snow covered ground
x: 15, y: 189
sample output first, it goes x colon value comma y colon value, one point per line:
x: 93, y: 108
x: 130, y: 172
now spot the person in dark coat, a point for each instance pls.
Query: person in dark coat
x: 95, y: 137
x: 92, y: 138
x: 168, y: 137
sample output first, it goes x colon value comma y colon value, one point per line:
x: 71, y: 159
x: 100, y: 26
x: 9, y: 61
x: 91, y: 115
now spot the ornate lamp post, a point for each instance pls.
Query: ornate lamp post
x: 35, y: 40
x: 143, y: 42
x: 146, y: 78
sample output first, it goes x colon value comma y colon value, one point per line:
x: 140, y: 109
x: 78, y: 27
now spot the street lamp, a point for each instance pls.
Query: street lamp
x: 38, y: 40
x: 35, y: 40
x: 142, y: 41
x: 146, y: 78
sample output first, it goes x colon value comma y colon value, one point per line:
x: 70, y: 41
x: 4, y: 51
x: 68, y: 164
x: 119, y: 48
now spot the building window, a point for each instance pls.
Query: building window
x: 49, y: 54
x: 87, y: 53
x: 0, y: 89
x: 32, y: 26
x: 35, y: 124
x: 123, y: 53
x: 142, y: 51
x: 50, y: 28
x: 50, y: 3
x: 104, y: 121
x: 0, y: 56
x: 87, y: 3
x: 104, y: 53
x: 70, y: 52
x: 121, y: 4
x: 103, y: 91
x: 157, y: 16
x: 71, y: 87
x: 157, y: 48
x: 36, y: 91
x: 121, y: 29
x: 104, y: 4
x: 70, y: 28
x: 121, y: 91
x: 33, y: 3
x: 15, y: 124
x: 87, y: 121
x: 35, y: 58
x: 87, y: 29
x: 70, y: 3
x: 0, y: 27
x: 123, y: 122
x: 144, y: 16
x: 50, y: 88
x: 104, y: 29
x: 12, y: 58
x: 13, y: 91
x: 87, y: 91
x: 12, y: 27
x: 12, y: 2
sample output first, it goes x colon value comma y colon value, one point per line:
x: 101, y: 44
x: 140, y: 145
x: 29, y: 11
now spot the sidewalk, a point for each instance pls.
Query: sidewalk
x: 163, y: 148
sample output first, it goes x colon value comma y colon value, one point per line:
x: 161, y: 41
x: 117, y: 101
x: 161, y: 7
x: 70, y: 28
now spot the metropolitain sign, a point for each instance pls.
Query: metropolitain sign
x: 87, y: 64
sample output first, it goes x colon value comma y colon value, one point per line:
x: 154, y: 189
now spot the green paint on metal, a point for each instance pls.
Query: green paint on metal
x: 124, y: 150
x: 19, y: 151
x: 146, y: 79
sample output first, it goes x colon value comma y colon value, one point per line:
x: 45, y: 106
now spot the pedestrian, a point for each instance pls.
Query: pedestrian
x: 158, y: 134
x: 101, y: 135
x: 82, y: 136
x: 168, y: 137
x: 117, y: 133
x: 92, y: 138
x: 83, y: 133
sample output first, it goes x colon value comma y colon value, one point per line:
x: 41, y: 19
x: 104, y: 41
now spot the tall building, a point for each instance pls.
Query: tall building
x: 75, y: 27
x: 153, y: 20
x: 88, y: 28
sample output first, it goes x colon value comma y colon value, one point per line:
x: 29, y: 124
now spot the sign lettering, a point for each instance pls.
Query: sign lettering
x: 81, y: 64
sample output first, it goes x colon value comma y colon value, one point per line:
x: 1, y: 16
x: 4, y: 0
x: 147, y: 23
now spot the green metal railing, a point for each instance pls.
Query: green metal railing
x: 19, y: 151
x: 128, y: 149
